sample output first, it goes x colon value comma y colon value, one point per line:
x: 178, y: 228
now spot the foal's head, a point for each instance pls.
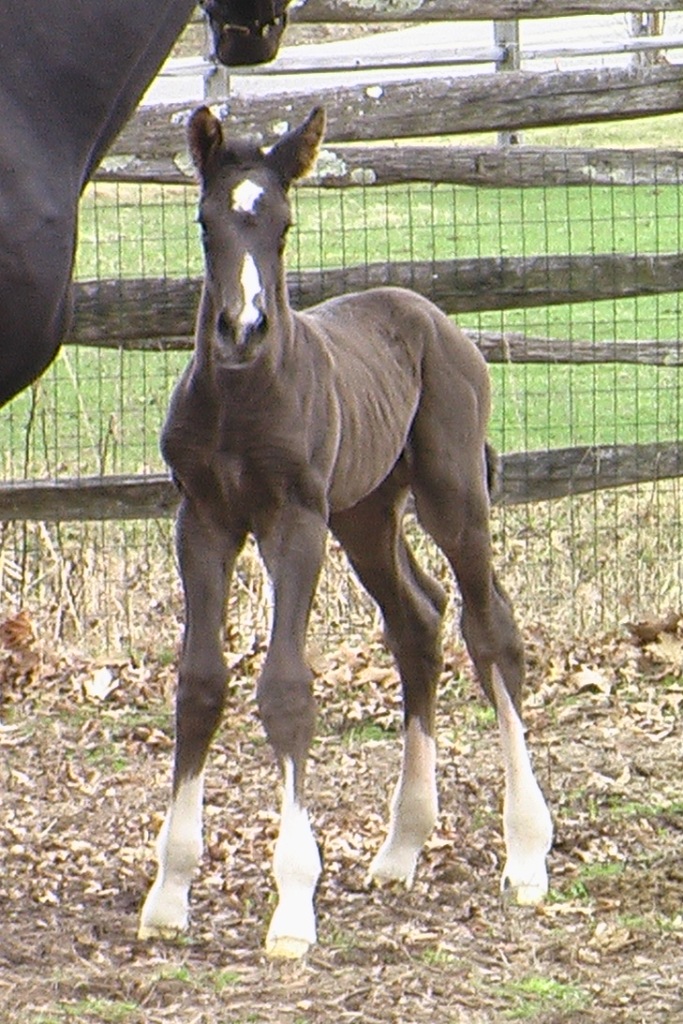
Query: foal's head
x: 244, y: 214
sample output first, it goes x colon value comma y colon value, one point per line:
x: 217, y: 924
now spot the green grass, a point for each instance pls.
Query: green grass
x: 105, y: 1011
x: 149, y: 231
x: 535, y: 996
x: 620, y: 808
x: 424, y: 222
x: 439, y: 957
x: 218, y: 980
x: 102, y: 412
x: 367, y: 732
x: 664, y: 131
x: 579, y: 888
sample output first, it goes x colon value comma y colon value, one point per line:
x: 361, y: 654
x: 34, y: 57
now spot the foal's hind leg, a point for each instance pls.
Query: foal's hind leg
x: 206, y: 558
x: 455, y: 512
x: 412, y: 605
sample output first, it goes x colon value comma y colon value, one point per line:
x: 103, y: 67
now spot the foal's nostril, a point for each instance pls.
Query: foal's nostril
x: 234, y: 334
x: 259, y: 325
x: 224, y: 327
x: 253, y: 332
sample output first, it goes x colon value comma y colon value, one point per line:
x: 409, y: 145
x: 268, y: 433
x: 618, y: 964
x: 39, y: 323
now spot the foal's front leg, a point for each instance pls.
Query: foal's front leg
x: 293, y: 552
x: 206, y: 558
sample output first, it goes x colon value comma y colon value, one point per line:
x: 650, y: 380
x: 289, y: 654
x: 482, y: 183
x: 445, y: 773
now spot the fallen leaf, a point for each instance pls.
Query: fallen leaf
x: 17, y: 634
x: 610, y: 938
x: 590, y: 679
x: 668, y: 650
x: 101, y: 684
x: 647, y: 630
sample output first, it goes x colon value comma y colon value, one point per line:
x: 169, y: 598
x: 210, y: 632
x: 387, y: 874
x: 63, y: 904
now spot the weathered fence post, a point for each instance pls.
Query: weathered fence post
x: 217, y: 76
x: 506, y: 35
x: 646, y: 23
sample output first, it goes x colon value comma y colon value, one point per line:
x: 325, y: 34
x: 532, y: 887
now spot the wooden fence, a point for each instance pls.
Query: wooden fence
x: 159, y: 314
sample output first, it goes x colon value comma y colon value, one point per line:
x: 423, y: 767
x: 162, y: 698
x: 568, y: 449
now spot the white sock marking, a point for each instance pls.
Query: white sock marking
x: 296, y: 866
x: 527, y: 825
x: 251, y: 289
x: 246, y: 195
x: 179, y: 849
x: 414, y: 810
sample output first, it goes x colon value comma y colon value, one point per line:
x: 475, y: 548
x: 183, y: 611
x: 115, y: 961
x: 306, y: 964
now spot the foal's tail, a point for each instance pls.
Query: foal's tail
x: 493, y: 473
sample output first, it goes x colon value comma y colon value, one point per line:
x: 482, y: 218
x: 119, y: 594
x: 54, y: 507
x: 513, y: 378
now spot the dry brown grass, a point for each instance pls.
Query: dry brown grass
x: 579, y: 566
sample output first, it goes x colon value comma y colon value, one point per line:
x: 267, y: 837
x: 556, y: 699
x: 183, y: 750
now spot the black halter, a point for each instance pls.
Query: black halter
x: 246, y: 31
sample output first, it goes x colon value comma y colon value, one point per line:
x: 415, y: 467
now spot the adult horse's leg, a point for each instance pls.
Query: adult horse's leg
x: 206, y: 555
x: 412, y: 605
x: 292, y: 547
x: 453, y: 505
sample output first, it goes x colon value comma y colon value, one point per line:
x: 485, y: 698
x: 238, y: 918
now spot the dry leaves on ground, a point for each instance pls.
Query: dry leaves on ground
x: 86, y: 750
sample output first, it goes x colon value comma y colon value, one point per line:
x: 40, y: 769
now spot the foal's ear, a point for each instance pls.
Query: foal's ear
x: 204, y: 137
x: 295, y: 153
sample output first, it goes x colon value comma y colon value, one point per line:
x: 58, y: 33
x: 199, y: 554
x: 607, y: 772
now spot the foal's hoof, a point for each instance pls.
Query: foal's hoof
x: 147, y: 932
x: 286, y: 948
x: 292, y: 930
x: 525, y: 895
x: 528, y: 893
x: 392, y: 867
x: 164, y: 913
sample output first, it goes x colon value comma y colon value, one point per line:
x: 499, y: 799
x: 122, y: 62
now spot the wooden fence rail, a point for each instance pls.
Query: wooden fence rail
x: 348, y: 166
x: 462, y: 10
x: 506, y: 347
x: 121, y: 312
x: 429, y: 107
x: 526, y: 477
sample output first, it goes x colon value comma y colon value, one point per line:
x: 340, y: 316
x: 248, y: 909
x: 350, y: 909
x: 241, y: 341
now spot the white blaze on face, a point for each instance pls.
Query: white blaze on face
x: 251, y: 289
x: 244, y: 199
x: 246, y: 195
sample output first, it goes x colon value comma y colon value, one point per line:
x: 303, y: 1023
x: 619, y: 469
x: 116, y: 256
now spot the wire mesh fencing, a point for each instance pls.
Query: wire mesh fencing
x: 601, y: 370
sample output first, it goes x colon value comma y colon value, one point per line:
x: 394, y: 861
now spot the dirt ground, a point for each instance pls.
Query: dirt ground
x: 84, y: 770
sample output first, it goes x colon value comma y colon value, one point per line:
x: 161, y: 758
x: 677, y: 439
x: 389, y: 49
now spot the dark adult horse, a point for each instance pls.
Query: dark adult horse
x: 70, y: 76
x: 285, y: 424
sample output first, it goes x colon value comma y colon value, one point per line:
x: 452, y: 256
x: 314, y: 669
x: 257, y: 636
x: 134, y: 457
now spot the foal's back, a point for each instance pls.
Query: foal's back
x: 404, y: 381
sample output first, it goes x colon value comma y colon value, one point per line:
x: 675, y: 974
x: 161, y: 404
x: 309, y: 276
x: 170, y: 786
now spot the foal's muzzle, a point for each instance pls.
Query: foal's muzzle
x: 239, y: 342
